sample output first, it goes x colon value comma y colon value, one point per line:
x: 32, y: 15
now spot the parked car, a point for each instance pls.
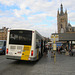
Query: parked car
x: 2, y: 46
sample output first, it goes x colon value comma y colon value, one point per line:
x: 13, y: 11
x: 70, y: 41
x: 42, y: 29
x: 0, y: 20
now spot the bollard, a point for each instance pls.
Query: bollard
x: 54, y: 57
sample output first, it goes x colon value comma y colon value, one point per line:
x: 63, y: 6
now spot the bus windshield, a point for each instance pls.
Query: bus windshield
x: 1, y: 43
x: 20, y: 37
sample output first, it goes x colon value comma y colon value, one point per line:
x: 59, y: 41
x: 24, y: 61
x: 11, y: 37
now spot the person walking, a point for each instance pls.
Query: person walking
x: 50, y: 47
x: 46, y: 50
x: 59, y: 49
x: 67, y: 53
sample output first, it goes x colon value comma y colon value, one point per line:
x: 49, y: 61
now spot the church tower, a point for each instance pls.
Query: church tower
x: 62, y: 20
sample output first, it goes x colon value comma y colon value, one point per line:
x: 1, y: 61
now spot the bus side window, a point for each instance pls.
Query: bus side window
x: 37, y: 45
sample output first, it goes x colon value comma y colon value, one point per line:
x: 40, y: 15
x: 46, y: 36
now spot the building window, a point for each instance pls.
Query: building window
x: 70, y: 29
x: 61, y: 25
x: 62, y: 20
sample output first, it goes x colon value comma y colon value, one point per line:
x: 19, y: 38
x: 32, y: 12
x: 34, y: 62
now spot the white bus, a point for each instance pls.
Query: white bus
x: 24, y: 44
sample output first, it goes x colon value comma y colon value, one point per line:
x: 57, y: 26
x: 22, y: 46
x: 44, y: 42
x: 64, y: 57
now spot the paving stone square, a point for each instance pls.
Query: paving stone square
x: 65, y: 65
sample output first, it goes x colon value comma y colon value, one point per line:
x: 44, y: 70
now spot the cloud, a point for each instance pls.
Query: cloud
x: 7, y: 2
x: 13, y: 22
x: 72, y: 16
x: 7, y: 13
x: 33, y: 5
x: 37, y: 17
x: 45, y: 30
x: 33, y: 14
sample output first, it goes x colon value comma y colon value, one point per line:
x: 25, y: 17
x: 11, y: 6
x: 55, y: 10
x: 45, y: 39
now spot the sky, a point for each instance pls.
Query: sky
x: 40, y: 15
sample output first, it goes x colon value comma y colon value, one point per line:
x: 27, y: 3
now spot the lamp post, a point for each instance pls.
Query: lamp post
x: 54, y: 38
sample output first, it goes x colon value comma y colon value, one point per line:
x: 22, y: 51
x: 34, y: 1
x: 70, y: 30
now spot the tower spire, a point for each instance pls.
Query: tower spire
x: 61, y: 9
x: 66, y: 11
x: 58, y: 12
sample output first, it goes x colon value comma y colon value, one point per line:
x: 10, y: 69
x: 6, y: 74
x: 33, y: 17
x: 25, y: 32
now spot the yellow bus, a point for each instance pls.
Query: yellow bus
x: 23, y: 44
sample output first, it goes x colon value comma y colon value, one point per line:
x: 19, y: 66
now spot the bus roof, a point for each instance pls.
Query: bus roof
x: 2, y: 40
x: 21, y: 29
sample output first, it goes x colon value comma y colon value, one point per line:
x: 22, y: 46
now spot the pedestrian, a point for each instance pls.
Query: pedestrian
x: 70, y: 51
x: 46, y: 50
x: 67, y: 53
x: 50, y: 47
x: 67, y: 47
x: 59, y: 49
x: 52, y: 54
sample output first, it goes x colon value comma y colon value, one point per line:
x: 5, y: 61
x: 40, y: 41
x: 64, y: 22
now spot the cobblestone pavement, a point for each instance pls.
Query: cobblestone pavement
x: 65, y: 65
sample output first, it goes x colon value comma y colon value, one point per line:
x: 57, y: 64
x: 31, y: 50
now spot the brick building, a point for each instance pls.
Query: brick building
x: 3, y: 33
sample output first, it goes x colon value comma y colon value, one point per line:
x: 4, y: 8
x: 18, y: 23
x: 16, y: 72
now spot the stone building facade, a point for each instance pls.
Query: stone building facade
x: 62, y: 22
x: 3, y: 33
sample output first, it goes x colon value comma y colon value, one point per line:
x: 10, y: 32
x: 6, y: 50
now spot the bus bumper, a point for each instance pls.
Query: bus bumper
x: 19, y: 58
x: 33, y: 58
x: 13, y: 57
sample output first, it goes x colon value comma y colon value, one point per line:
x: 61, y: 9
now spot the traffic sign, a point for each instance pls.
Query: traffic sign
x: 57, y: 37
x: 54, y: 38
x: 54, y: 46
